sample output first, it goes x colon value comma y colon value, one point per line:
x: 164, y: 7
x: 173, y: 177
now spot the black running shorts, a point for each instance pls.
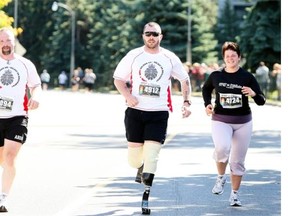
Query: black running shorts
x: 146, y: 125
x: 14, y: 128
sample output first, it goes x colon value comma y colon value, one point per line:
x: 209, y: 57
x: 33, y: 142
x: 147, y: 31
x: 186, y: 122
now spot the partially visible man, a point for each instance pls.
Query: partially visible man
x: 16, y: 75
x: 149, y: 70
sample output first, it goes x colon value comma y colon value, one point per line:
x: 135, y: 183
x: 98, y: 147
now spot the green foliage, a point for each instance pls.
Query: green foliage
x: 5, y: 20
x: 107, y: 29
x: 34, y: 17
x: 4, y: 3
x: 228, y: 26
x: 204, y: 17
x: 261, y: 36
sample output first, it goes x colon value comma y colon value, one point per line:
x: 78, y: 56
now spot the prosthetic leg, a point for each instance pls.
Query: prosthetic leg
x: 150, y: 156
x: 147, y: 179
x: 139, y: 174
x: 135, y: 159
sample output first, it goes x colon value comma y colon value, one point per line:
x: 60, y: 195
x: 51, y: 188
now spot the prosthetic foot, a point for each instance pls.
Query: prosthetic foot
x: 145, y: 209
x: 139, y: 174
x: 147, y: 179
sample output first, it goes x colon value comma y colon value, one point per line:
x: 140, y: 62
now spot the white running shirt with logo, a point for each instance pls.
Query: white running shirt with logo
x: 15, y: 76
x: 150, y: 77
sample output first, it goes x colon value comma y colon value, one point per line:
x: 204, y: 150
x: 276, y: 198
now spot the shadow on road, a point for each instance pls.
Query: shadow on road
x: 260, y: 139
x: 189, y: 196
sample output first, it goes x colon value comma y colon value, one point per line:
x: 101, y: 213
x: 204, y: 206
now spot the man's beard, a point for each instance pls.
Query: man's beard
x: 6, y: 50
x: 153, y: 45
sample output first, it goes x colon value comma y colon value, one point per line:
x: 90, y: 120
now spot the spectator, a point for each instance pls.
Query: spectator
x: 262, y: 76
x: 75, y: 80
x: 197, y: 77
x: 276, y: 73
x: 62, y: 80
x: 45, y: 79
x: 89, y: 79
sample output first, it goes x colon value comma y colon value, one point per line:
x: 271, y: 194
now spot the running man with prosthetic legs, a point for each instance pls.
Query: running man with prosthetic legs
x: 149, y: 69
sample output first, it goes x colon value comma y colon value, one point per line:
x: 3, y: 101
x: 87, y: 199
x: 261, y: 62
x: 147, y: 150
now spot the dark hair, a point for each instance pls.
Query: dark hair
x: 230, y: 46
x: 152, y: 24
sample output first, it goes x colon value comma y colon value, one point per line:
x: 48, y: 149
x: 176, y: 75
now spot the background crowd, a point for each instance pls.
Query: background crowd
x: 268, y: 79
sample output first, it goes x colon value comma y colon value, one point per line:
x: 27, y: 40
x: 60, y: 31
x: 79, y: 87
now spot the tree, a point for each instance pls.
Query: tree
x: 260, y: 39
x: 5, y: 20
x: 204, y: 18
x: 112, y: 32
x: 34, y: 19
x: 118, y: 27
x: 228, y: 26
x: 107, y: 30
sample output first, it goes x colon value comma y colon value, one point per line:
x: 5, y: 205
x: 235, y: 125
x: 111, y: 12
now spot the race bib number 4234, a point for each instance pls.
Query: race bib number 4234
x: 6, y: 103
x: 149, y: 90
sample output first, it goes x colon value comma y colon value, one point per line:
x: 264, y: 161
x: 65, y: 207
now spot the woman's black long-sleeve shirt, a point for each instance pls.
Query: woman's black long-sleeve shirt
x: 229, y: 98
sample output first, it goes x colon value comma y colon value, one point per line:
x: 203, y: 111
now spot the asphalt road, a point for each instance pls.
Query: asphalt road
x: 74, y: 163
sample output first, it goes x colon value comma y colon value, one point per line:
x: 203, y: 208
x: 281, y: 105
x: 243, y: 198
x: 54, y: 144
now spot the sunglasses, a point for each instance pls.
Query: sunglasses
x: 154, y: 34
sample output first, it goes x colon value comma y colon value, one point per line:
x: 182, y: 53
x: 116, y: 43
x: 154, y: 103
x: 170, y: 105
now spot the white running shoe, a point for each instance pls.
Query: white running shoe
x: 234, y: 199
x: 219, y: 185
x: 3, y: 198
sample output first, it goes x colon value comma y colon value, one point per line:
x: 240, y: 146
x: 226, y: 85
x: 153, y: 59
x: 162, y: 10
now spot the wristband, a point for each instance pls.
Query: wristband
x: 187, y: 101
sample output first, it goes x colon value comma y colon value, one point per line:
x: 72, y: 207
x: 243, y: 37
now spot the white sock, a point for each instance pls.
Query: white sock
x: 1, y: 172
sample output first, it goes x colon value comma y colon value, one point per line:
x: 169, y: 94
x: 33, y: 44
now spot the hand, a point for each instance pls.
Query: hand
x: 131, y: 101
x: 247, y: 91
x: 209, y: 109
x: 185, y: 111
x: 33, y: 104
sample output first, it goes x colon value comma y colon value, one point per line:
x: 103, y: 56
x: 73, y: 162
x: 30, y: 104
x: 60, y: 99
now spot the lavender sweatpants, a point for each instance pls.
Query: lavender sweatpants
x: 231, y: 143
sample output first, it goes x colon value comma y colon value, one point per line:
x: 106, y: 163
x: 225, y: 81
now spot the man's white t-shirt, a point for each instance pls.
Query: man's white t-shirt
x: 15, y: 77
x: 150, y: 77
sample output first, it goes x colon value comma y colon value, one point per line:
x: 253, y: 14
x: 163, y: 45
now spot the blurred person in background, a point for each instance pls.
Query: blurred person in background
x: 276, y: 73
x: 262, y: 76
x: 89, y: 79
x: 45, y: 79
x: 75, y: 80
x: 62, y: 80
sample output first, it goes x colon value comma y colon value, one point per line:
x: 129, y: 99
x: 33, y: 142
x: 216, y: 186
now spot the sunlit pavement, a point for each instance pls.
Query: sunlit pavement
x: 74, y: 163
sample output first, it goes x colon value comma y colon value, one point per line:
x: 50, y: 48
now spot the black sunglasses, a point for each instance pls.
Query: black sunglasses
x: 154, y: 34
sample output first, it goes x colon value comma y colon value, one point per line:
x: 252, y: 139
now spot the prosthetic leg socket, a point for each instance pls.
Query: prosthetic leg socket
x: 135, y: 156
x: 147, y: 179
x: 151, y: 152
x: 139, y: 174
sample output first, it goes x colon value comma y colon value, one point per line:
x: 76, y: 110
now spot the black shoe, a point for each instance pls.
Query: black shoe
x: 139, y: 175
x: 3, y: 209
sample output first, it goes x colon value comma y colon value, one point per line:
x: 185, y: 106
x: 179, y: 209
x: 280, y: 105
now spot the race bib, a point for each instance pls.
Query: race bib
x: 6, y: 103
x: 231, y: 101
x: 149, y: 90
